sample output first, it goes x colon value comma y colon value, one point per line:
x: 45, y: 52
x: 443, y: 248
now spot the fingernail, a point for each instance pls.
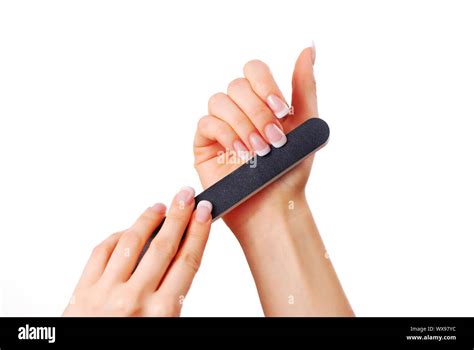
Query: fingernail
x: 160, y: 208
x: 313, y: 52
x: 279, y: 108
x: 185, y: 195
x: 241, y: 150
x: 203, y: 211
x: 275, y: 135
x: 258, y: 144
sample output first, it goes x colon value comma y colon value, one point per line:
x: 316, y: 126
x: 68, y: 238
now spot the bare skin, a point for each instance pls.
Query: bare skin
x: 275, y: 228
x: 111, y: 286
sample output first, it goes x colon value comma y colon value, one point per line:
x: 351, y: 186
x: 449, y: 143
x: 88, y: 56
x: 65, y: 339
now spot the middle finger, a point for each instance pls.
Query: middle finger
x: 241, y: 92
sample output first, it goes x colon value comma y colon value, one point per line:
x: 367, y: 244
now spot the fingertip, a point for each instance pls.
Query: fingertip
x: 185, y: 196
x: 278, y: 106
x: 158, y: 208
x: 203, y: 211
x: 307, y: 56
x: 304, y: 85
x: 254, y: 64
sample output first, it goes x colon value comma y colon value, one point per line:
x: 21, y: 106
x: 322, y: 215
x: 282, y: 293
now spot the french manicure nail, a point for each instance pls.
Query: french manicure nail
x: 203, y: 211
x: 313, y: 52
x: 276, y: 136
x: 279, y: 108
x: 259, y: 145
x: 185, y: 195
x: 241, y: 150
x: 159, y: 208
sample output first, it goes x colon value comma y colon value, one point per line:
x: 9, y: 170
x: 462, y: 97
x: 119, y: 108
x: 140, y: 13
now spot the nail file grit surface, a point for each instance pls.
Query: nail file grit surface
x: 254, y: 175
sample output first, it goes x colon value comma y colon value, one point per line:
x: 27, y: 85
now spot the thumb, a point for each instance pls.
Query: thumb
x: 304, y: 99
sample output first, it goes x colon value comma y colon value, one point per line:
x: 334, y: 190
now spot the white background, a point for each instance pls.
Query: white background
x: 98, y: 106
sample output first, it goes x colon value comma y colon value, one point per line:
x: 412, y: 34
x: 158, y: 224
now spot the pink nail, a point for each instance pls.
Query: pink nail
x: 241, y: 150
x: 275, y: 135
x: 279, y: 108
x: 258, y: 144
x: 185, y: 195
x: 313, y: 52
x: 203, y: 211
x: 160, y: 208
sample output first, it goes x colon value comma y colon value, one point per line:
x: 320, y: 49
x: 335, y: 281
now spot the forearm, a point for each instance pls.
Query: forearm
x: 289, y: 263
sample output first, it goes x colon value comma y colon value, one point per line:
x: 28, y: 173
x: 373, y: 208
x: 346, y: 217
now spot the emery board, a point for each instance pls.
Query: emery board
x: 255, y: 174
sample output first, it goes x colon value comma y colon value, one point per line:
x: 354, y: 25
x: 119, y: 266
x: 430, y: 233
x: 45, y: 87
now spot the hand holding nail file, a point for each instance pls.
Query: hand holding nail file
x: 247, y: 180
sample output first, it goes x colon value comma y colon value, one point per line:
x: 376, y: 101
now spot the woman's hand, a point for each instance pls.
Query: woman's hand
x: 276, y: 229
x: 111, y: 286
x: 246, y: 119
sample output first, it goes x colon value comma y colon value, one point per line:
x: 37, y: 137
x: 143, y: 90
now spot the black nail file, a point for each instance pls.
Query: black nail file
x: 259, y: 172
x: 250, y: 178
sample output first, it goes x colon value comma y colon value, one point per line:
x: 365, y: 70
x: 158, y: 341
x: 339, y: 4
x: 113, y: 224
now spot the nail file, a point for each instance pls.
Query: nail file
x: 259, y: 172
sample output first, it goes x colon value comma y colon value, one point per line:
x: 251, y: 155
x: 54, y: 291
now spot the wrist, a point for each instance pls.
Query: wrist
x: 274, y: 218
x: 288, y: 260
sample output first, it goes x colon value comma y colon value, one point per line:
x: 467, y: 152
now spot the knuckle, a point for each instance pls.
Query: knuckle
x: 101, y: 249
x: 94, y: 305
x: 238, y: 121
x: 197, y: 164
x: 165, y: 248
x: 166, y: 307
x: 127, y: 305
x: 312, y: 84
x: 198, y: 233
x: 115, y: 235
x: 308, y: 82
x: 131, y: 239
x: 222, y: 129
x: 106, y: 246
x: 192, y: 260
x: 261, y: 113
x: 204, y: 122
x: 236, y: 84
x: 216, y: 99
x: 149, y: 217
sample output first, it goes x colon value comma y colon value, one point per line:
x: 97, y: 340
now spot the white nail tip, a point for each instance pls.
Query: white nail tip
x: 263, y: 152
x: 205, y: 204
x: 283, y: 113
x: 280, y: 143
